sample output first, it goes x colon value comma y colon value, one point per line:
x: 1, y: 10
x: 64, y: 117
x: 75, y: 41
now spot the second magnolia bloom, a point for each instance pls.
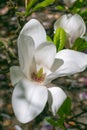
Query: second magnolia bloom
x: 73, y: 25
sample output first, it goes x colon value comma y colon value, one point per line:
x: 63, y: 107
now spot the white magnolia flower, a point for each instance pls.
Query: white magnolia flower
x: 39, y: 65
x: 73, y: 25
x: 69, y: 3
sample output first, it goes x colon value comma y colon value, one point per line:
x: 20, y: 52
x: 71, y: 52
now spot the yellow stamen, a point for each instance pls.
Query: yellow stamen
x: 39, y: 73
x: 39, y: 76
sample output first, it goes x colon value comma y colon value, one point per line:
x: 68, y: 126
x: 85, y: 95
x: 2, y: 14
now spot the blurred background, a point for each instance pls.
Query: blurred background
x: 12, y: 19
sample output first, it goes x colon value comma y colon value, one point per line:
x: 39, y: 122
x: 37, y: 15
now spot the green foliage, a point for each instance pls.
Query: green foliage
x: 62, y: 114
x: 60, y: 8
x: 49, y: 39
x: 56, y: 123
x: 31, y: 3
x: 65, y: 108
x: 80, y: 45
x: 52, y: 121
x: 59, y: 38
x: 34, y: 5
x: 61, y: 123
x: 83, y: 13
x: 43, y: 4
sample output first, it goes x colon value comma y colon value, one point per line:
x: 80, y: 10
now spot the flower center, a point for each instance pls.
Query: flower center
x: 39, y: 76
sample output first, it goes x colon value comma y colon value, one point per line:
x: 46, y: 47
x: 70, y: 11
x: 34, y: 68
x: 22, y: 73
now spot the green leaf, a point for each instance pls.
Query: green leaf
x: 60, y: 8
x: 61, y: 123
x: 83, y: 13
x: 52, y: 121
x: 63, y: 112
x: 43, y: 4
x: 49, y: 39
x: 30, y: 4
x: 59, y: 38
x: 79, y: 45
x: 65, y: 109
x: 56, y: 122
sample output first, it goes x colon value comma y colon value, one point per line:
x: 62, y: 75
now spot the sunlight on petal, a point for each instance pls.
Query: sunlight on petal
x: 56, y: 98
x: 34, y: 29
x: 45, y: 54
x: 16, y: 74
x: 26, y: 54
x: 73, y: 63
x: 28, y: 100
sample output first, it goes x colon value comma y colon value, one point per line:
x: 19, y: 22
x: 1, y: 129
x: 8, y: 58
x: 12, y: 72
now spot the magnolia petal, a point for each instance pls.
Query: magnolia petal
x: 34, y: 29
x: 67, y: 22
x: 56, y: 98
x: 26, y: 54
x: 79, y: 28
x: 62, y: 22
x: 28, y: 100
x: 16, y: 74
x: 57, y: 63
x: 74, y: 62
x: 50, y: 76
x: 45, y: 55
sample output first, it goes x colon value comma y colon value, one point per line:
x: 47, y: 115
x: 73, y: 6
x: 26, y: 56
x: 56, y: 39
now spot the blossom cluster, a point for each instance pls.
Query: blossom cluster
x: 39, y: 64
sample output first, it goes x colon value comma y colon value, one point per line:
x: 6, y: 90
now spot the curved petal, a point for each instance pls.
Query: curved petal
x: 26, y: 54
x: 34, y: 29
x: 73, y: 62
x: 79, y: 28
x: 67, y: 22
x: 56, y: 98
x: 45, y: 55
x: 62, y: 22
x: 28, y: 100
x: 16, y: 74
